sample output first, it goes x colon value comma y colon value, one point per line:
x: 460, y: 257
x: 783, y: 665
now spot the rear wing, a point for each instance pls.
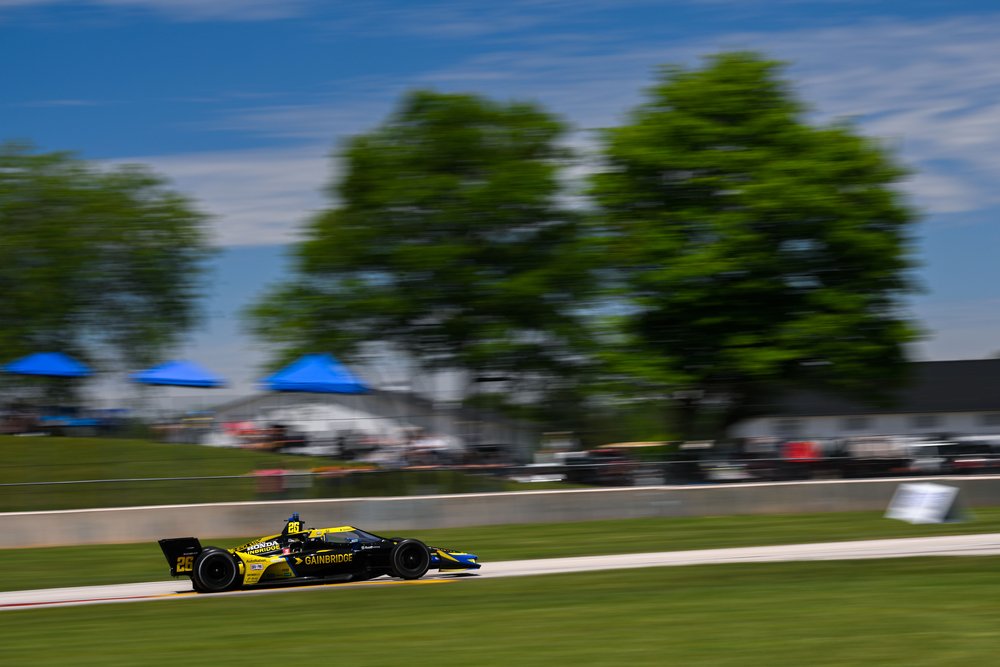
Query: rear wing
x: 180, y: 553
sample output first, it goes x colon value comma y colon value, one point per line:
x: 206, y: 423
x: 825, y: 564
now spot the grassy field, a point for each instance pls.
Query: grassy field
x: 50, y: 459
x: 55, y: 567
x: 919, y: 611
x: 53, y: 459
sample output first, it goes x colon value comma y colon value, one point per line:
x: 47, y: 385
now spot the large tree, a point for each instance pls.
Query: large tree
x: 103, y: 263
x: 448, y: 242
x: 757, y: 251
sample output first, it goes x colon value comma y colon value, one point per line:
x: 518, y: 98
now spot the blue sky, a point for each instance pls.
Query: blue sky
x: 242, y: 102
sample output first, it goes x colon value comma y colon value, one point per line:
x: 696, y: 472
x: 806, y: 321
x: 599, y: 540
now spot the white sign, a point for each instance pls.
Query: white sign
x: 924, y: 503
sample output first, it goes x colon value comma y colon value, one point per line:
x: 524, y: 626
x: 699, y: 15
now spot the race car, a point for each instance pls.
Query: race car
x: 300, y: 554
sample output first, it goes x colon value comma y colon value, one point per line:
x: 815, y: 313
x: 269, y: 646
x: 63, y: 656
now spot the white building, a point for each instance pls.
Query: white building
x: 385, y: 413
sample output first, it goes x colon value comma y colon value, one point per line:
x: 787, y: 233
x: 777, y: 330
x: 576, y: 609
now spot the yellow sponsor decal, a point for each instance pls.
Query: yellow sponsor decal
x: 327, y: 559
x: 185, y: 564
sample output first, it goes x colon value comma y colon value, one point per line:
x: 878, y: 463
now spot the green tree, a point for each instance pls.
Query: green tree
x: 103, y: 263
x: 448, y: 242
x: 757, y: 252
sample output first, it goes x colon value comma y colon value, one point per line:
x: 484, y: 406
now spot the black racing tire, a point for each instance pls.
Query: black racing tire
x: 216, y: 570
x: 410, y: 559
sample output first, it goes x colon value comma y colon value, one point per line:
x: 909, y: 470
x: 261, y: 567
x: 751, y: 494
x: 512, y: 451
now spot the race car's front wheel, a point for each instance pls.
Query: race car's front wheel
x: 215, y: 570
x: 410, y: 559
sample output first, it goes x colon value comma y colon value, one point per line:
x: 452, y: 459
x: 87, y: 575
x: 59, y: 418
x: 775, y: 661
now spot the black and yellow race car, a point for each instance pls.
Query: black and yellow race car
x: 300, y: 554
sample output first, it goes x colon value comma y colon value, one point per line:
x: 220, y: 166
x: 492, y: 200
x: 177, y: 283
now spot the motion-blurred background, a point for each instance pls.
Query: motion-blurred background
x: 755, y: 240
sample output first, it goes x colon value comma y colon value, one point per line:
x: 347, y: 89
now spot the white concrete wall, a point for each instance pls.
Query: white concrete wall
x: 402, y: 516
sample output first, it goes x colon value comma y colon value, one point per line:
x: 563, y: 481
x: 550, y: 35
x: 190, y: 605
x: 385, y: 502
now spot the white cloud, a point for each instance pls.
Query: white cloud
x: 471, y: 19
x: 63, y: 103
x: 451, y: 21
x: 943, y: 193
x: 256, y: 197
x: 326, y: 122
x: 191, y: 10
x: 928, y: 88
x: 968, y: 329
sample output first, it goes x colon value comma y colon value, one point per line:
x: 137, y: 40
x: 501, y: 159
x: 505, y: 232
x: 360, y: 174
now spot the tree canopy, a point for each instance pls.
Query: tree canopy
x: 447, y: 240
x: 756, y: 251
x: 744, y: 248
x: 95, y: 262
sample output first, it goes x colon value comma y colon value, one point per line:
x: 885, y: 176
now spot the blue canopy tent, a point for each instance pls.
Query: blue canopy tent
x: 178, y: 373
x: 48, y: 364
x: 49, y: 393
x: 316, y: 373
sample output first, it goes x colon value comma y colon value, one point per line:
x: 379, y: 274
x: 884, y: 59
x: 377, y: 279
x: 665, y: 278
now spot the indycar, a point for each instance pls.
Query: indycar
x: 300, y: 554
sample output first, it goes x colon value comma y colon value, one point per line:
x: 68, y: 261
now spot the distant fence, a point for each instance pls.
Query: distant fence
x: 397, y: 515
x: 274, y: 484
x: 339, y: 482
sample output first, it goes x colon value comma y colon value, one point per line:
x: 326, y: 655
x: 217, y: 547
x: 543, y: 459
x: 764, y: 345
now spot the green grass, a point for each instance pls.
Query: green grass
x: 920, y: 611
x: 49, y: 459
x: 53, y: 459
x: 61, y: 566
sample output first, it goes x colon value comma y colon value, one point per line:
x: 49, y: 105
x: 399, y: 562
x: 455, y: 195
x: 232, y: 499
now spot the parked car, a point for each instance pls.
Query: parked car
x: 601, y: 466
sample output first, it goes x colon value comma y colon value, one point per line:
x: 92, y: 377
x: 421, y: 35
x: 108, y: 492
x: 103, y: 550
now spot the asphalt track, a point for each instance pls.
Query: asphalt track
x: 954, y: 545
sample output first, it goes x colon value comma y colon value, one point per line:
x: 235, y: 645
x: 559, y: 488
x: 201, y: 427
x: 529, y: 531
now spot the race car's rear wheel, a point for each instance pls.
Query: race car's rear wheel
x: 215, y: 570
x: 410, y: 559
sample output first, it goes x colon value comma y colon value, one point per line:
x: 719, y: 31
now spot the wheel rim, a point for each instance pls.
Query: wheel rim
x: 217, y: 571
x: 412, y: 558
